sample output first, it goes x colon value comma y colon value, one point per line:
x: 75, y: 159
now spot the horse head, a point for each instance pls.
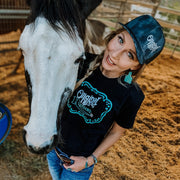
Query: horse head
x: 51, y: 43
x: 51, y: 48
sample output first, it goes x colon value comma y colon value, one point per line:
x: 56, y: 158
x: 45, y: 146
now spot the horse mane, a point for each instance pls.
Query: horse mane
x: 63, y: 12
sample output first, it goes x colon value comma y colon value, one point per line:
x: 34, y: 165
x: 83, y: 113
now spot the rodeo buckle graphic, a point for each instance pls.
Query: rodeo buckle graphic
x: 84, y: 104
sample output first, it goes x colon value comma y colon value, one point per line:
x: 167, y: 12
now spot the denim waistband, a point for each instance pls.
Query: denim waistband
x: 63, y: 153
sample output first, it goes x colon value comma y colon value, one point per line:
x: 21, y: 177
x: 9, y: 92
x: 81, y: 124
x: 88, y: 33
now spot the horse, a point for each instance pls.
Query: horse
x: 52, y: 46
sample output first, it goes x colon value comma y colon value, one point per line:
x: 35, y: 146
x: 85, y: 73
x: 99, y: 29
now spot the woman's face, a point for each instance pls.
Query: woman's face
x: 119, y: 56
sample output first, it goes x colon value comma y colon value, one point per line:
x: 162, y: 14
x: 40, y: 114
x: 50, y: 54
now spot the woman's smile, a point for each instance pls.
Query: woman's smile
x: 109, y: 61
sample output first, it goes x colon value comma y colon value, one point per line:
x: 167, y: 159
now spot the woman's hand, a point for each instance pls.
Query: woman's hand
x: 79, y: 163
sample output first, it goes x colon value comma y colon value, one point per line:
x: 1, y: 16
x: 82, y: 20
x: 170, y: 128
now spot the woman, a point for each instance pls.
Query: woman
x: 106, y: 99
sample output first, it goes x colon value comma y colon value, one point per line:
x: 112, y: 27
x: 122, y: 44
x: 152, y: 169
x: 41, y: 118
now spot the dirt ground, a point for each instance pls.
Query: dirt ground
x: 149, y: 151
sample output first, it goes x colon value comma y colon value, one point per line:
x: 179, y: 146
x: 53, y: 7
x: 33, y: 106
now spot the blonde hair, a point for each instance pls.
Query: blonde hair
x: 97, y: 62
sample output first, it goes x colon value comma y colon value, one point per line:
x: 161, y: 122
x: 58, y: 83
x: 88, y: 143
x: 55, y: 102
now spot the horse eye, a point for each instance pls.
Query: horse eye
x: 79, y: 59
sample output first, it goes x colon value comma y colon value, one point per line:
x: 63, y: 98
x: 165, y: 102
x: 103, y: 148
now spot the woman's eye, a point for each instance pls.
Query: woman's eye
x: 120, y: 40
x: 130, y: 55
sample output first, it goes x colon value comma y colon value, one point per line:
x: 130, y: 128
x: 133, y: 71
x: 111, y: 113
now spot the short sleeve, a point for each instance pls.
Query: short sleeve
x: 126, y: 115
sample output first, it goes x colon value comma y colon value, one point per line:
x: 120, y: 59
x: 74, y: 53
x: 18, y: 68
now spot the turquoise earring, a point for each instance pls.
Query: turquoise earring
x: 128, y: 78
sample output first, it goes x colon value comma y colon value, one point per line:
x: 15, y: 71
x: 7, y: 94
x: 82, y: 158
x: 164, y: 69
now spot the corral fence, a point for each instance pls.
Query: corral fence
x: 13, y: 15
x: 114, y: 11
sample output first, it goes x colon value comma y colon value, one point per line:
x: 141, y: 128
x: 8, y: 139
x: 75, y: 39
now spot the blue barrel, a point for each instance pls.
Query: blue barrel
x: 5, y: 122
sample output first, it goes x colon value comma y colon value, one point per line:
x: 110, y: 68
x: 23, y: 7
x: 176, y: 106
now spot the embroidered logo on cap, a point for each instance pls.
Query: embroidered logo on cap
x: 151, y: 45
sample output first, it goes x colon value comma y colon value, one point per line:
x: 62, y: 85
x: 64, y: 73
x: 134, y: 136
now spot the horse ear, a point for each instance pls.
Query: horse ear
x: 87, y: 6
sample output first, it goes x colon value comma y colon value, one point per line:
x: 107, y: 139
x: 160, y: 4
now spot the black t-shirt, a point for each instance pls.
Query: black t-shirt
x: 93, y: 108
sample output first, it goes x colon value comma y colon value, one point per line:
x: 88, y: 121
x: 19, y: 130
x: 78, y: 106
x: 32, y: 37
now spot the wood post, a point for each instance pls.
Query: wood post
x: 175, y: 46
x: 154, y: 10
x: 122, y: 8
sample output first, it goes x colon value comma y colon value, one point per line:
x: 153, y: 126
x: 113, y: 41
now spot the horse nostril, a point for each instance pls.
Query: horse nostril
x: 24, y: 135
x: 54, y: 138
x: 31, y: 149
x: 54, y: 141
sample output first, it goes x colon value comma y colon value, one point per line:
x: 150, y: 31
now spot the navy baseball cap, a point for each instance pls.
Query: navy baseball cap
x: 5, y: 122
x: 148, y: 37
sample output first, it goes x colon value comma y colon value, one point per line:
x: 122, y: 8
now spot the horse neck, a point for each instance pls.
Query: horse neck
x: 63, y: 12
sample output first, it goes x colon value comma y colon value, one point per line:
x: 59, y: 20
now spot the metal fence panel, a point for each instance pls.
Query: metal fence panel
x: 13, y: 15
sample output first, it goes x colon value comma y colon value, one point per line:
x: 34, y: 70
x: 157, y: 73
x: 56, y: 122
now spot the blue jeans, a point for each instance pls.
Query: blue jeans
x: 58, y: 172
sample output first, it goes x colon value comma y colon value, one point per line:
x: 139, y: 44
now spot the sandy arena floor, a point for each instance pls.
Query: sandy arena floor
x: 150, y: 151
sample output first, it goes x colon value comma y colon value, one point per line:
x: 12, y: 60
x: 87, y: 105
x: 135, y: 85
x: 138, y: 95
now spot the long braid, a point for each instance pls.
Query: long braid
x: 92, y: 67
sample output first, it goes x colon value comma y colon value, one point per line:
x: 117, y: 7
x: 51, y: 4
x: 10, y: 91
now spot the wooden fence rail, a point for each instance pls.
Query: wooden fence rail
x: 113, y: 13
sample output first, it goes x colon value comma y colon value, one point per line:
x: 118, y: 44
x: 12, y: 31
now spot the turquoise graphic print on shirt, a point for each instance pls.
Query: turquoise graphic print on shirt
x: 90, y: 104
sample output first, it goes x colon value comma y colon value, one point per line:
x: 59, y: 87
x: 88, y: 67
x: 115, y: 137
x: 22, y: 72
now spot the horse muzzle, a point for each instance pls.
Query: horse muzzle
x: 39, y: 148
